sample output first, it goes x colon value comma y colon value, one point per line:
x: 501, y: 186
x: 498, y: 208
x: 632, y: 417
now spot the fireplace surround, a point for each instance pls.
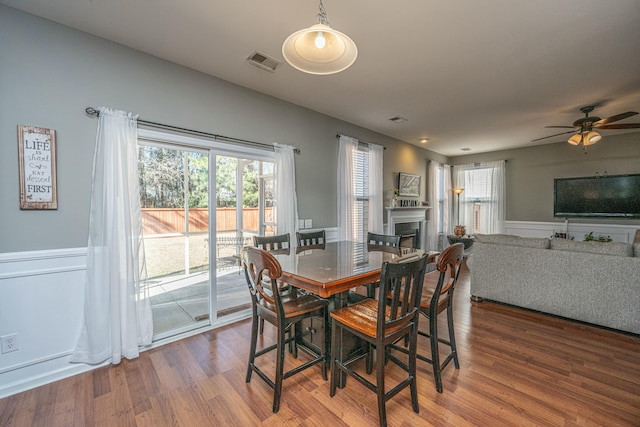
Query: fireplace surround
x: 405, y: 220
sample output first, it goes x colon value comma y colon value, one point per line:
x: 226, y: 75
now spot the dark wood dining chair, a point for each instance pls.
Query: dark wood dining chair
x: 378, y: 242
x: 435, y: 301
x: 278, y: 244
x: 310, y: 240
x: 379, y: 323
x: 383, y: 242
x: 268, y: 304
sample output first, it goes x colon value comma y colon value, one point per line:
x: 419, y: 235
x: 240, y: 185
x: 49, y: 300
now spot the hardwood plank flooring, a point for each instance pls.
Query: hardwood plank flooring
x: 518, y: 368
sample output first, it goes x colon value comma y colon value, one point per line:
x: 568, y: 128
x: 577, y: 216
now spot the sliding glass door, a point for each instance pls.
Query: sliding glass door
x: 200, y: 206
x: 175, y: 216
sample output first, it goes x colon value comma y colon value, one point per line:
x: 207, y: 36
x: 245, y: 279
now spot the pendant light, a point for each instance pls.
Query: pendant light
x: 320, y: 49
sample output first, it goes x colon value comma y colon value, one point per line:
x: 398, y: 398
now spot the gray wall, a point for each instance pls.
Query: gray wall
x: 50, y: 73
x: 530, y: 172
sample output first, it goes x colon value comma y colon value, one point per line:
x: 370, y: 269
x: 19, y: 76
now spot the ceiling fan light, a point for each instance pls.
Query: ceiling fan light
x: 575, y: 139
x: 591, y: 138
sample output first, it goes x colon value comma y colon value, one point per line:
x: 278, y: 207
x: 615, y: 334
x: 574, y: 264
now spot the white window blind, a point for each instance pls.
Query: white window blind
x: 361, y: 191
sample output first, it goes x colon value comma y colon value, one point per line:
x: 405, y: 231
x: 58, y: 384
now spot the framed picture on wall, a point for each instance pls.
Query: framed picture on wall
x: 37, y: 167
x: 409, y: 184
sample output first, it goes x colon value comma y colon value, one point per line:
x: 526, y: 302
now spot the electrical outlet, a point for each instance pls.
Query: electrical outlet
x: 9, y: 343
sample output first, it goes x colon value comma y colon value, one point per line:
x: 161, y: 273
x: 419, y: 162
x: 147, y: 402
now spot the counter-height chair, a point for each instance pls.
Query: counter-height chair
x: 278, y: 244
x: 310, y: 240
x: 380, y: 323
x: 378, y: 242
x: 269, y: 305
x: 435, y: 301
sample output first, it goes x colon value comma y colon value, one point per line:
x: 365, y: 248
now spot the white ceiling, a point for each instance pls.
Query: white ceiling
x: 478, y: 74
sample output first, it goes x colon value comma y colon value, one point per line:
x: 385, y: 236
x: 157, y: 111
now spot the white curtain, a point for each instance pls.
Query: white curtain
x: 286, y: 202
x: 484, y: 186
x: 376, y: 220
x: 439, y: 191
x: 117, y: 311
x: 348, y: 146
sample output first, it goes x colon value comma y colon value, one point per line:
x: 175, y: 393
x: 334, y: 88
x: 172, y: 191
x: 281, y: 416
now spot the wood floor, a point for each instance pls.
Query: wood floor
x: 517, y: 369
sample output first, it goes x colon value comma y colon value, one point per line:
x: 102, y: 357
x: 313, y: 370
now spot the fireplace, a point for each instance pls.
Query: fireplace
x: 410, y: 223
x: 409, y: 233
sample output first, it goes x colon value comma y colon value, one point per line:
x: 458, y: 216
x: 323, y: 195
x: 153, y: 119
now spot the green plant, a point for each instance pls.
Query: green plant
x: 589, y: 238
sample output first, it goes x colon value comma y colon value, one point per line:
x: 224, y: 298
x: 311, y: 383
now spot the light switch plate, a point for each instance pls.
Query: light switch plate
x: 308, y: 223
x: 300, y: 224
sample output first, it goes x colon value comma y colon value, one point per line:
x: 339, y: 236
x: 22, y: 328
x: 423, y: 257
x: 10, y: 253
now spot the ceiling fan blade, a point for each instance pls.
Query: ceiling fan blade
x: 551, y: 136
x: 621, y: 126
x: 561, y: 127
x: 615, y: 118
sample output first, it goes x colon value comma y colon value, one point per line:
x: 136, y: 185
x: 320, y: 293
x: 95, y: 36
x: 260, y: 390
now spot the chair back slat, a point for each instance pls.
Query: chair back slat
x: 402, y: 284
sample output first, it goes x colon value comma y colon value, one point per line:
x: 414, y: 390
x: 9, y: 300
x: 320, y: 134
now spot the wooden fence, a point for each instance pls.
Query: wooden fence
x: 167, y: 221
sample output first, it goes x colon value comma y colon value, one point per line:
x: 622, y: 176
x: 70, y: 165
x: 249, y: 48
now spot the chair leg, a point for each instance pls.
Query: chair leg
x: 435, y: 356
x: 261, y: 325
x: 252, y: 349
x: 413, y: 350
x: 452, y: 336
x: 327, y: 343
x: 334, y: 354
x: 279, y: 370
x: 380, y: 389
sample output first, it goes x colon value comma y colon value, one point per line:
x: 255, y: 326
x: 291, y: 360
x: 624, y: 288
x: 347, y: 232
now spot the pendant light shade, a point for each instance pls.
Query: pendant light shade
x: 319, y: 49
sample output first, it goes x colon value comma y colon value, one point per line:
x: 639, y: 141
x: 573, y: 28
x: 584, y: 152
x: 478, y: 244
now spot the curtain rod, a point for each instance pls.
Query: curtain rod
x: 93, y: 112
x: 364, y: 142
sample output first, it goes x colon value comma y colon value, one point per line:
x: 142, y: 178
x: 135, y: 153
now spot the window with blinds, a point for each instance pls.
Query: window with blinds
x: 478, y: 189
x: 361, y: 191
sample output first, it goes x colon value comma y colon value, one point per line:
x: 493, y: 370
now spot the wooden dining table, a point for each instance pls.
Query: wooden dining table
x: 333, y: 271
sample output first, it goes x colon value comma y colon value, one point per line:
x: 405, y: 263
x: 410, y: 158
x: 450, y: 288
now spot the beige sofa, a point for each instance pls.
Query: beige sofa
x: 592, y: 282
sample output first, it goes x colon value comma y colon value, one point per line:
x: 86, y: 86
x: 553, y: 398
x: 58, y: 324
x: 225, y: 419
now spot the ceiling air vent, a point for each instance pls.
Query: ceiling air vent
x: 263, y: 61
x: 398, y: 119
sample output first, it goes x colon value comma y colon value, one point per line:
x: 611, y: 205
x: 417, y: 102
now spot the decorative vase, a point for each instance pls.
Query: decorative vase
x: 460, y: 230
x: 394, y: 202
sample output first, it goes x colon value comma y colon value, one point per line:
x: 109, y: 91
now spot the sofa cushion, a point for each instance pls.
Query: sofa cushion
x: 608, y: 248
x: 511, y: 240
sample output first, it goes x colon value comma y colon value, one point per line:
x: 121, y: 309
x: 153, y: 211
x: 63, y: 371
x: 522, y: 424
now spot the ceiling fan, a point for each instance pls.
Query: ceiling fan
x: 584, y: 129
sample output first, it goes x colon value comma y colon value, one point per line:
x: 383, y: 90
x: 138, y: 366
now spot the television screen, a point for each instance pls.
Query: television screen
x: 606, y: 196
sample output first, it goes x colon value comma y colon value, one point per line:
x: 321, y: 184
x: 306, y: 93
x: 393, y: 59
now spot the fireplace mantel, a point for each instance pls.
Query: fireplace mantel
x: 400, y: 215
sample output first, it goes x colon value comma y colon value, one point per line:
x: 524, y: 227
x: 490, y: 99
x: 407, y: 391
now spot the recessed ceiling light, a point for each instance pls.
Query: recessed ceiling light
x: 424, y: 140
x: 465, y: 149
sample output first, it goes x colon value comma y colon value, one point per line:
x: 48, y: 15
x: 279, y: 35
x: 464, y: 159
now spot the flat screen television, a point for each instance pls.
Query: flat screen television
x: 616, y: 196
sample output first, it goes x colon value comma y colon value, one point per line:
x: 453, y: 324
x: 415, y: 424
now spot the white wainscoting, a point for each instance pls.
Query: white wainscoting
x: 41, y: 299
x: 618, y: 233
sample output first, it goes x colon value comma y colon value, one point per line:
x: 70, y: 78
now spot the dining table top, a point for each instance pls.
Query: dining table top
x: 340, y: 266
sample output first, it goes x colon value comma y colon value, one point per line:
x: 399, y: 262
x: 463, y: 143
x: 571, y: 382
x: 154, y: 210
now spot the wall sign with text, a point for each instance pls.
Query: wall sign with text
x: 37, y: 157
